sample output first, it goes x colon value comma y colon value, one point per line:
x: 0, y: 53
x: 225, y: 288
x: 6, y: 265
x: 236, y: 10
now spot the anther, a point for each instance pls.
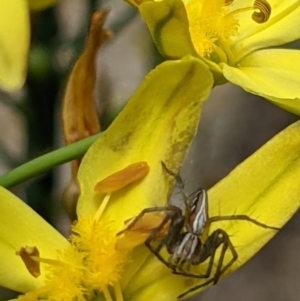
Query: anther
x: 28, y: 255
x: 260, y: 16
x: 119, y: 180
x: 264, y: 11
x: 122, y: 178
x: 32, y: 260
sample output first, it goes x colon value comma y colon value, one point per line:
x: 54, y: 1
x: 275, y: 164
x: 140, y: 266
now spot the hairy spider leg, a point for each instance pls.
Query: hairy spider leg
x: 145, y: 211
x: 199, y: 216
x: 176, y: 225
x: 183, y: 247
x: 188, y: 245
x: 177, y: 177
x: 193, y: 243
x: 177, y: 220
x: 227, y: 244
x: 202, y: 193
x: 197, y: 220
x: 204, y: 251
x: 179, y: 183
x: 240, y: 217
x: 206, y: 283
x: 217, y: 238
x: 208, y: 250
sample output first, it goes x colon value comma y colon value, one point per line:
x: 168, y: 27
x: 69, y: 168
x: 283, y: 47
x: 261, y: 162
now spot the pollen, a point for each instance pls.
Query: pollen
x: 213, y: 23
x: 90, y: 266
x: 63, y: 278
x: 103, y: 263
x: 209, y: 24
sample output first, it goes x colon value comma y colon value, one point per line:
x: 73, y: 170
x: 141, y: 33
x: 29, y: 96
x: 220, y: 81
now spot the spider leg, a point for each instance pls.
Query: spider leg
x: 199, y: 260
x: 177, y: 223
x: 240, y: 217
x: 141, y: 214
x: 196, y: 288
x: 156, y: 252
x: 217, y: 238
x: 179, y: 183
x: 199, y: 276
x: 227, y: 244
x: 177, y: 177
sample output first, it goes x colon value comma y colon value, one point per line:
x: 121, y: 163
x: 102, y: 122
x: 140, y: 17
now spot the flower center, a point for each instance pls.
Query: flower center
x: 92, y: 264
x: 214, y: 21
x: 89, y: 266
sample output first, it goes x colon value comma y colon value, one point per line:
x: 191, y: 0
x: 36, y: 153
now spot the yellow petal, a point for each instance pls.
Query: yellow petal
x: 290, y: 105
x: 169, y: 27
x: 266, y: 187
x: 14, y: 43
x: 20, y: 226
x: 41, y: 4
x: 272, y: 74
x: 157, y: 125
x: 279, y: 30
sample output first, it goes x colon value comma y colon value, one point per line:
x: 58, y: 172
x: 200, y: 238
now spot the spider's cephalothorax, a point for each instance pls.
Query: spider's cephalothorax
x: 184, y: 241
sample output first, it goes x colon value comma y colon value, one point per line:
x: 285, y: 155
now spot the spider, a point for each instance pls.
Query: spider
x: 182, y: 238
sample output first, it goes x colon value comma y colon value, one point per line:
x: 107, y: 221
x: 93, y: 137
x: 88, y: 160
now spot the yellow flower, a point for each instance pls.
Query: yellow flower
x: 238, y: 39
x: 89, y: 266
x: 14, y: 40
x: 155, y: 126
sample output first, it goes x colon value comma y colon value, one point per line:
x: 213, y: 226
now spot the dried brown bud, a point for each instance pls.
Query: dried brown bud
x: 79, y: 112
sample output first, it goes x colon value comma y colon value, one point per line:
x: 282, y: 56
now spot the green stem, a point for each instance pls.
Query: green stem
x: 47, y: 162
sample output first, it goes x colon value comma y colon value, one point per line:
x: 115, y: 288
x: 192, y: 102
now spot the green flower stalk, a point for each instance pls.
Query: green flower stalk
x: 241, y: 41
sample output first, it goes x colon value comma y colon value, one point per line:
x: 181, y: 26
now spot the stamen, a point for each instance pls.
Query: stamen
x: 102, y: 207
x: 118, y: 292
x: 259, y: 17
x: 119, y: 180
x: 122, y: 178
x: 28, y: 255
x: 130, y: 241
x: 138, y: 230
x: 264, y: 11
x: 49, y: 261
x: 106, y: 294
x: 34, y: 295
x: 222, y: 56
